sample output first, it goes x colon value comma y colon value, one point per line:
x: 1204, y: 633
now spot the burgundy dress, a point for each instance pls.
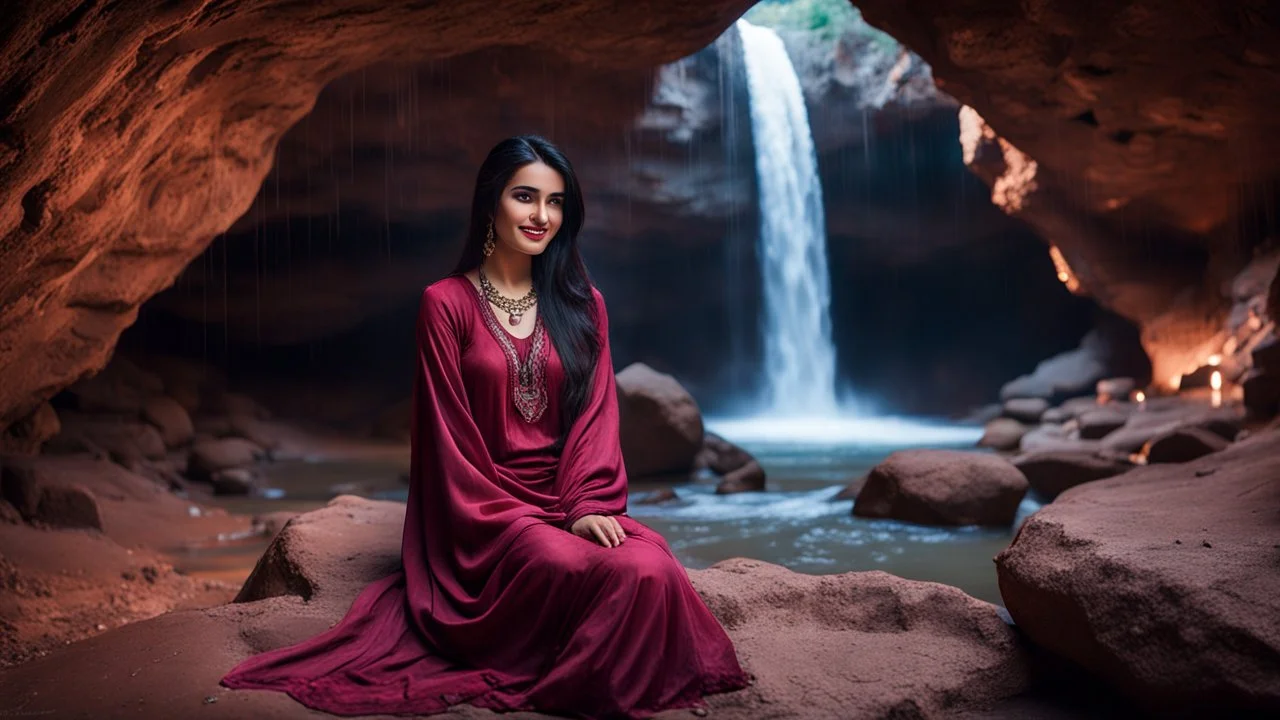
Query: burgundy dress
x: 497, y: 604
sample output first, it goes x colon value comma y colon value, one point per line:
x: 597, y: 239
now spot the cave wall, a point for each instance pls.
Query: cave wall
x: 131, y: 134
x: 367, y: 198
x: 1139, y: 138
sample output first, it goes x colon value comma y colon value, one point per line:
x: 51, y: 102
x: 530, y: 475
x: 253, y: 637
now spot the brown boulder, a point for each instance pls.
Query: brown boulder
x: 943, y: 487
x: 1261, y: 392
x: 1097, y: 424
x: 738, y: 469
x: 1002, y: 434
x: 1185, y: 444
x: 28, y: 434
x: 1148, y: 424
x: 1051, y: 472
x: 51, y: 501
x: 124, y: 439
x: 170, y: 418
x: 1162, y: 581
x: 660, y: 423
x: 210, y: 456
x: 748, y: 478
x: 1027, y: 410
x: 233, y: 481
x: 1055, y: 437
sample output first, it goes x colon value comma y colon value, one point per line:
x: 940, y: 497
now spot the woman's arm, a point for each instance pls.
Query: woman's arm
x: 592, y: 479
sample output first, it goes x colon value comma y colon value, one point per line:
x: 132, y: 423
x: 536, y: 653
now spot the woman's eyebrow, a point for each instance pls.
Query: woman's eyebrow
x: 534, y: 190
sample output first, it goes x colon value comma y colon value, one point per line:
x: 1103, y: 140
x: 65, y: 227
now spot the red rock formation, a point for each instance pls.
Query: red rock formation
x: 131, y: 135
x: 1161, y: 581
x: 1139, y: 138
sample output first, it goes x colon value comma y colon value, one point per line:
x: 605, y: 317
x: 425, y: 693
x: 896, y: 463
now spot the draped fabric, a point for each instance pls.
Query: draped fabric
x: 497, y: 604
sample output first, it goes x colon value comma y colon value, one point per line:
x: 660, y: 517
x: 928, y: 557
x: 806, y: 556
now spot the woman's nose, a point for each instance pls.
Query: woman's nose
x: 539, y: 214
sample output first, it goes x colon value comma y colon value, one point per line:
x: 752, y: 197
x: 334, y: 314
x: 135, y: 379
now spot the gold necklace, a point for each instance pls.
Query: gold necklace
x: 515, y: 308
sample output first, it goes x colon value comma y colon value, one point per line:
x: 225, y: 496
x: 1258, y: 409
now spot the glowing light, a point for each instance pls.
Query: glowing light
x: 1140, y: 396
x: 1215, y: 380
x: 1065, y: 275
x: 1215, y: 360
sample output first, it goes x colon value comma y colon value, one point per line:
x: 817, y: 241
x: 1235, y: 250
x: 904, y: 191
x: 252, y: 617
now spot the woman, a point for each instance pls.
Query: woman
x: 524, y: 586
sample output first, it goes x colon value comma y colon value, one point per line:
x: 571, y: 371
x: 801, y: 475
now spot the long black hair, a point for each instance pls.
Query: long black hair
x: 565, y: 302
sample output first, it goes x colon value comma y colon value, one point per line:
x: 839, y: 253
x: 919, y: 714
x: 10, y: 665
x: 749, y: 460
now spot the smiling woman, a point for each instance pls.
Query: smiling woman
x: 524, y: 584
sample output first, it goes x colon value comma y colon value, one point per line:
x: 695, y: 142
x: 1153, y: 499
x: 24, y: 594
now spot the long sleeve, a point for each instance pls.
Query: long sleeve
x: 592, y: 478
x: 459, y: 518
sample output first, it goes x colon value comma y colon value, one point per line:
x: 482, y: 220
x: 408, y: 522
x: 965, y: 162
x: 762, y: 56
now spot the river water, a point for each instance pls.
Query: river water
x: 794, y: 523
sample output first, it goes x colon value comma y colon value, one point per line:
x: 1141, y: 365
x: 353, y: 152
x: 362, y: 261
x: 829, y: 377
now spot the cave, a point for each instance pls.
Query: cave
x: 1047, y: 284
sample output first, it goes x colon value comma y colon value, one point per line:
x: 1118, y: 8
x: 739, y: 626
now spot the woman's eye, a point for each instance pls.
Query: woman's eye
x: 556, y: 201
x: 522, y: 197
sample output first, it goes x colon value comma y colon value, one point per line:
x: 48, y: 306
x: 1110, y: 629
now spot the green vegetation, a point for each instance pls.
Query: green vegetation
x: 827, y: 18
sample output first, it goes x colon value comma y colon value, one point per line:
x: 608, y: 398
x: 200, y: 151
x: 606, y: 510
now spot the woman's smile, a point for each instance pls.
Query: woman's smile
x: 533, y: 232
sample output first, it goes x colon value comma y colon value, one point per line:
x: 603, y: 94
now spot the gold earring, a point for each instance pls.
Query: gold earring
x: 488, y: 241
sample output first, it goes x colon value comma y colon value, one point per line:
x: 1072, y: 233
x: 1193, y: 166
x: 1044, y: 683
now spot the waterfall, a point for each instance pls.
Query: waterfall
x: 798, y: 352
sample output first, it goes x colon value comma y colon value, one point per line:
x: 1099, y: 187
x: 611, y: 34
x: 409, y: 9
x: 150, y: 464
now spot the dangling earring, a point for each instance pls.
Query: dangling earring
x: 488, y: 241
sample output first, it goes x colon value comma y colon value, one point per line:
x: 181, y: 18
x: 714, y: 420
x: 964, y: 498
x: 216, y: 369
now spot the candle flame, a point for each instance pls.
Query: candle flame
x: 1063, y: 269
x: 1215, y: 380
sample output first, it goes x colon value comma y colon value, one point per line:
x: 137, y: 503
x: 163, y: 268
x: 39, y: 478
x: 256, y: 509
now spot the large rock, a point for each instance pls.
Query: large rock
x: 1162, y: 580
x: 1002, y: 433
x: 1157, y: 420
x: 58, y: 502
x: 1262, y: 392
x: 1185, y: 444
x: 1068, y: 374
x: 1027, y: 410
x: 659, y: 421
x: 210, y: 456
x: 124, y: 439
x: 170, y: 418
x: 857, y: 644
x: 739, y: 471
x: 942, y: 487
x: 29, y: 434
x: 1097, y: 424
x: 1052, y: 472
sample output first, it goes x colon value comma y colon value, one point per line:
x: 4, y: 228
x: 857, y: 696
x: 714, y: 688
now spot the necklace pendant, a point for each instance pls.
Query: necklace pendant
x: 514, y: 318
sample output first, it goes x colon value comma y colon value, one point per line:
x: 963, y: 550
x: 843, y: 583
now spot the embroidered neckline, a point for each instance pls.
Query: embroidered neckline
x: 527, y: 378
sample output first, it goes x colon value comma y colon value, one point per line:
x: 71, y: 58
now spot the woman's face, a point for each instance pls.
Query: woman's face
x: 531, y: 209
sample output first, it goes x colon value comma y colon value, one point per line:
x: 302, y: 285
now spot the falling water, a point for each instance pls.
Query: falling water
x: 799, y: 355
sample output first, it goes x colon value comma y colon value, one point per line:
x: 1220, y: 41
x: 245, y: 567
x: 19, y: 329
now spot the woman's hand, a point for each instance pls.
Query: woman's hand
x: 604, y: 529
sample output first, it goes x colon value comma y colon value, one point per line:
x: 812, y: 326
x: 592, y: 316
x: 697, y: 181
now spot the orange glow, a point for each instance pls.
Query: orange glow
x: 1215, y: 380
x: 1060, y: 264
x: 1140, y: 396
x: 1176, y: 382
x: 1215, y: 360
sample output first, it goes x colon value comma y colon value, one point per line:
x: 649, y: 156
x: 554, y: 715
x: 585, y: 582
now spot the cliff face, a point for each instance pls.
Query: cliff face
x: 1139, y: 138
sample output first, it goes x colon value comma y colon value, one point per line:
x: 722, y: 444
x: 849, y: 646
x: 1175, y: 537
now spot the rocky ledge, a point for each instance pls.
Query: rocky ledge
x: 1163, y: 580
